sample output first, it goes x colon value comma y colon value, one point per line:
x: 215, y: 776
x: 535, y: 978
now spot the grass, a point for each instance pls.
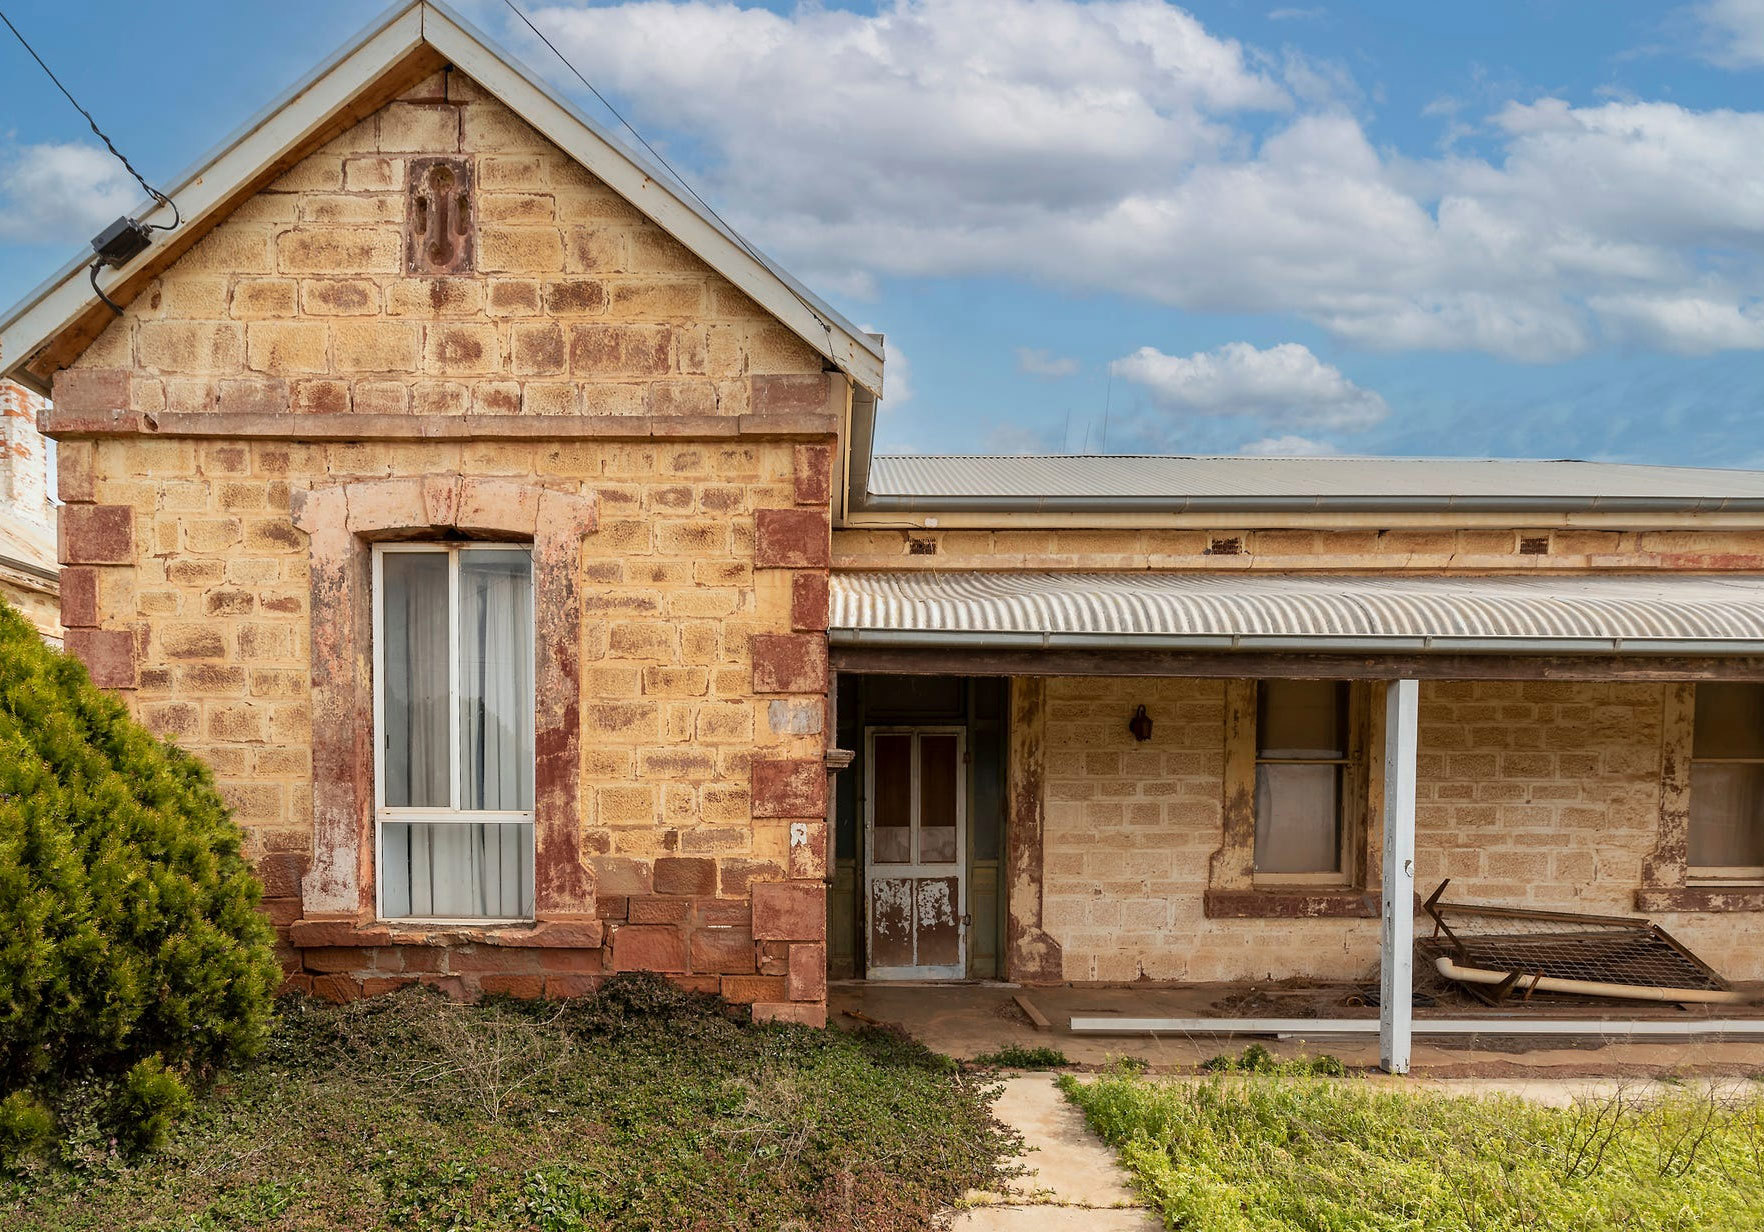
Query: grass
x: 1300, y: 1153
x: 642, y: 1108
x: 1015, y: 1056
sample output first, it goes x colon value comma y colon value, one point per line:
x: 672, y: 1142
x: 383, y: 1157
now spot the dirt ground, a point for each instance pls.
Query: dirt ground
x: 967, y: 1019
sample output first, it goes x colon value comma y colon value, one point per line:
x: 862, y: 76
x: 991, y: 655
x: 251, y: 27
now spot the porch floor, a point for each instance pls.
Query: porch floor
x: 967, y: 1019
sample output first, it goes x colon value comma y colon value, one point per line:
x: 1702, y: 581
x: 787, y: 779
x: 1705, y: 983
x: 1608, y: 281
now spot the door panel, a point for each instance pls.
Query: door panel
x: 915, y: 854
x: 937, y: 921
x: 891, y: 921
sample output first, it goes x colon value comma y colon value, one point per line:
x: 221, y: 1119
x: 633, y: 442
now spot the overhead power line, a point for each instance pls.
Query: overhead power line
x: 678, y: 178
x: 98, y: 132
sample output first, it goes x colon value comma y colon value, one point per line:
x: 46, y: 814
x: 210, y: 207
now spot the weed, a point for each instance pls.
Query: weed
x: 1015, y: 1056
x: 1270, y: 1152
x: 1258, y: 1060
x: 643, y: 1107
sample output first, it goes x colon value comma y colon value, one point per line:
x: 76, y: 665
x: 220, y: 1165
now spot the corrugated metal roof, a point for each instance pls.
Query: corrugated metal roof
x: 1676, y: 613
x: 926, y: 481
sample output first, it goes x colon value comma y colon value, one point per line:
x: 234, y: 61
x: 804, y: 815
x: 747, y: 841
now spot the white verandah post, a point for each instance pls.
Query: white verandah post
x: 1397, y: 939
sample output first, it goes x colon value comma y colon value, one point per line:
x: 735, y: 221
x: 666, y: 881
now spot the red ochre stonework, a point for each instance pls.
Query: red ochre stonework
x: 284, y: 395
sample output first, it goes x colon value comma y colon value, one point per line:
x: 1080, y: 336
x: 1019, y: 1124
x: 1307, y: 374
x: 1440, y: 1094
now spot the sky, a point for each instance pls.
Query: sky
x: 1498, y: 229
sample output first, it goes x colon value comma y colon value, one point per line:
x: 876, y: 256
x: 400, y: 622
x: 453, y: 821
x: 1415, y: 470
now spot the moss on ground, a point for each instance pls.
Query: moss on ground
x: 642, y: 1108
x: 1290, y: 1152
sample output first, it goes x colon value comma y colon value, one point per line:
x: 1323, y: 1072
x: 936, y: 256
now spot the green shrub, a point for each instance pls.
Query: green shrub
x: 1258, y: 1060
x: 132, y: 956
x: 1015, y: 1056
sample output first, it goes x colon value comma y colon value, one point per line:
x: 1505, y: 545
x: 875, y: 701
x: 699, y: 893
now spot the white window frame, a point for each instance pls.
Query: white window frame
x: 452, y: 814
x: 1342, y: 875
x: 1718, y: 874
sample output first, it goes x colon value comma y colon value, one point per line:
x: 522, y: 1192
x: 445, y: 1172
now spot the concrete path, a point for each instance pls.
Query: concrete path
x: 1072, y: 1182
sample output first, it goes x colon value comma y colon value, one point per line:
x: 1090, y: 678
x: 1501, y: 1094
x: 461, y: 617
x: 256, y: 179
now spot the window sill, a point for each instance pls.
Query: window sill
x: 569, y: 932
x: 1711, y: 898
x: 1294, y: 903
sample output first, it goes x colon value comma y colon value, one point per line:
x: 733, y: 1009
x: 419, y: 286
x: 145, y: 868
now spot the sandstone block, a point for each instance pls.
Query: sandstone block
x: 287, y: 346
x: 109, y: 655
x: 808, y: 973
x: 462, y: 348
x: 203, y: 347
x: 629, y: 350
x: 813, y: 474
x: 792, y: 539
x: 809, y: 602
x: 340, y: 251
x: 745, y: 988
x: 649, y: 947
x: 801, y: 1012
x: 790, y: 911
x: 520, y: 250
x: 93, y: 391
x: 97, y: 535
x: 722, y: 951
x: 789, y: 662
x: 789, y: 393
x: 419, y: 128
x: 682, y: 875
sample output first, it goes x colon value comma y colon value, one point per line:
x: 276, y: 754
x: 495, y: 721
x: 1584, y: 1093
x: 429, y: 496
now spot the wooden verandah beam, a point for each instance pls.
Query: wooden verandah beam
x: 919, y: 661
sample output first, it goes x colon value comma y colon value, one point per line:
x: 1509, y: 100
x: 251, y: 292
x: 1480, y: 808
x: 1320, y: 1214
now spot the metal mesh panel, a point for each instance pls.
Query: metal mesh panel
x: 1562, y: 945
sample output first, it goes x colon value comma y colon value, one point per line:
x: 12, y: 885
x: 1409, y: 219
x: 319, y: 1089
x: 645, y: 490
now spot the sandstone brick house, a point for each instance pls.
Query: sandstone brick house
x: 506, y: 534
x: 28, y: 573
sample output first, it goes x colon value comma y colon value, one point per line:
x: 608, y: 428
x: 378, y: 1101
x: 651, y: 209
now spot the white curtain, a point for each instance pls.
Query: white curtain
x: 1727, y: 815
x: 459, y: 870
x: 496, y: 680
x: 1298, y: 811
x: 414, y: 656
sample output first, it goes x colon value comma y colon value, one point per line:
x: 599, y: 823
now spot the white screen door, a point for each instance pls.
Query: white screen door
x: 915, y: 853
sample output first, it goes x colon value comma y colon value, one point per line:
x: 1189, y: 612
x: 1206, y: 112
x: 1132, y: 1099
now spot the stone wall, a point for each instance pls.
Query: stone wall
x: 1445, y: 548
x: 588, y: 356
x: 1532, y: 793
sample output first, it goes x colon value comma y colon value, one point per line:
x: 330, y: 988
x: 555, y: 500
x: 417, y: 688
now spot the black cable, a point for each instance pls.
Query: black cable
x: 99, y: 291
x: 153, y: 192
x: 680, y: 179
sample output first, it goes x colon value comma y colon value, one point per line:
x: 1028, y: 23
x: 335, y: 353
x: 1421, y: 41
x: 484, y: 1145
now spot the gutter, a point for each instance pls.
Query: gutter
x: 30, y: 568
x: 1370, y: 503
x: 990, y: 640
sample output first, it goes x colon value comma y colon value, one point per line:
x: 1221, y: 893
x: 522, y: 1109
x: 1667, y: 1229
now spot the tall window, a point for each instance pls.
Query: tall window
x: 1303, y: 780
x: 453, y: 702
x: 1727, y: 783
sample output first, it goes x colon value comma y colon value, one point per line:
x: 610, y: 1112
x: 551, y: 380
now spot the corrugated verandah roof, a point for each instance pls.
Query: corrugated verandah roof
x: 1674, y: 613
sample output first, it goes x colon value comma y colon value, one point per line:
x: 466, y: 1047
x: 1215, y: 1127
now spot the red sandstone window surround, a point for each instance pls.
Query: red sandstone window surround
x: 344, y: 523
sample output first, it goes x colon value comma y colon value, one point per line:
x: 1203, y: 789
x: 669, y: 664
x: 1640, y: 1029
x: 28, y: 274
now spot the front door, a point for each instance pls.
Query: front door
x: 915, y: 853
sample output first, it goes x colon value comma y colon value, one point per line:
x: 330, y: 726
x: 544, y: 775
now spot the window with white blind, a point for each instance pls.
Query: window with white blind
x: 1304, y: 781
x: 453, y: 722
x: 1727, y: 784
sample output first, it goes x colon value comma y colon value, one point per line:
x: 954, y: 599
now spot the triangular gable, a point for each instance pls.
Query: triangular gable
x: 58, y: 320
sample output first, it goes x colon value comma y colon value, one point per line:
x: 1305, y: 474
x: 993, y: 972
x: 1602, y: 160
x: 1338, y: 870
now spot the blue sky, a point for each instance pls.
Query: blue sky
x: 1510, y: 229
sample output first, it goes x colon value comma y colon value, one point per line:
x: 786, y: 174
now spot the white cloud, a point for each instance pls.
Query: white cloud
x: 1118, y: 146
x: 1689, y: 324
x: 1283, y: 386
x: 1038, y: 362
x: 62, y: 193
x: 1288, y: 446
x: 898, y: 386
x: 1734, y: 30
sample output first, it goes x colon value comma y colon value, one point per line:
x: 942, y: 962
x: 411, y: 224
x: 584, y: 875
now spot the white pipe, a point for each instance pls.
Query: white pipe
x: 1590, y: 988
x: 1316, y: 1028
